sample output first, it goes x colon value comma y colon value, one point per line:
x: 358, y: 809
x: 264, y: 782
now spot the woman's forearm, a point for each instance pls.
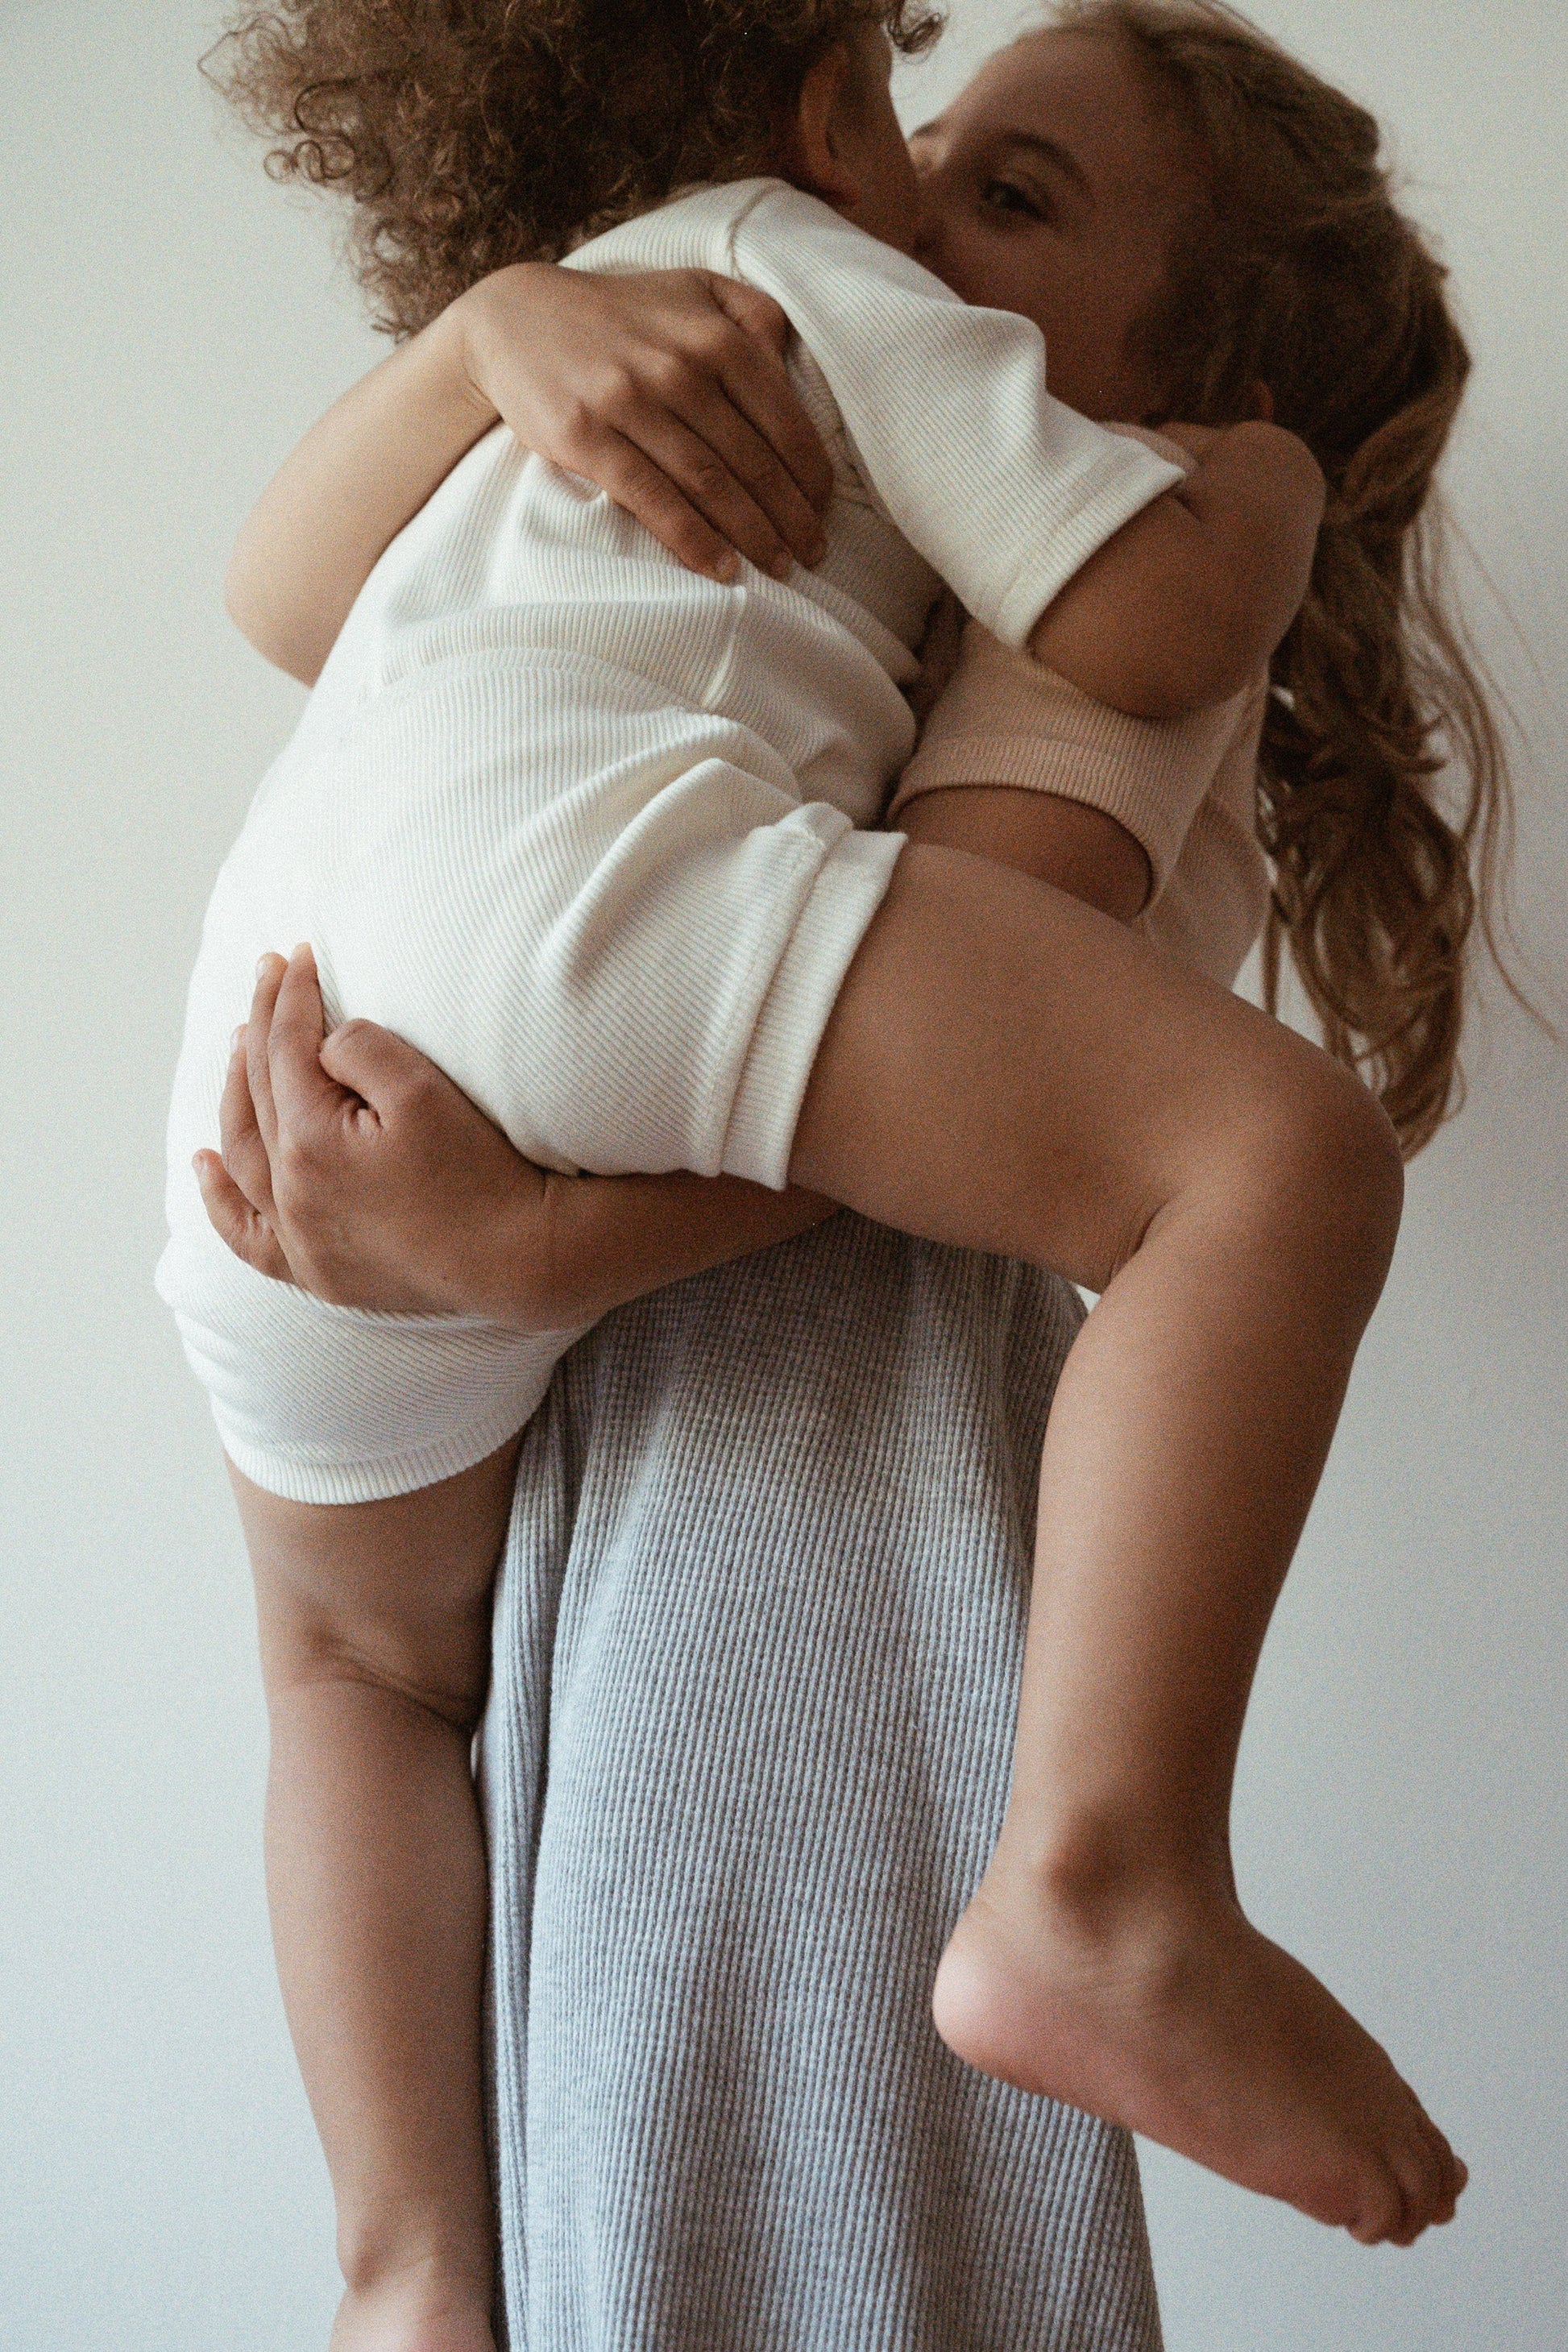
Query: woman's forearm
x: 453, y: 1216
x: 334, y: 505
x: 607, y: 1240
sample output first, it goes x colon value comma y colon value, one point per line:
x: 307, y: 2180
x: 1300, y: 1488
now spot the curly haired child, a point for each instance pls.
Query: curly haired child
x: 997, y: 1067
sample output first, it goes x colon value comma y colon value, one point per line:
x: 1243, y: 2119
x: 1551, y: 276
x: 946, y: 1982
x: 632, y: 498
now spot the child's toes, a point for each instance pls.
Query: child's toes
x: 1452, y: 2176
x: 1420, y: 2180
x: 1447, y: 2174
x: 1381, y: 2209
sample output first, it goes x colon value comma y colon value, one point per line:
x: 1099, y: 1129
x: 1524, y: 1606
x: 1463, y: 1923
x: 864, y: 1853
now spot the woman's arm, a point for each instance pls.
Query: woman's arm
x: 668, y: 390
x: 352, y: 1166
x: 1078, y: 848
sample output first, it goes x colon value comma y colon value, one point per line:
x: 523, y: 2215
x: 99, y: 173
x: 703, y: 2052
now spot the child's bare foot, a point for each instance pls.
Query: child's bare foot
x: 412, y: 2311
x: 1170, y: 2014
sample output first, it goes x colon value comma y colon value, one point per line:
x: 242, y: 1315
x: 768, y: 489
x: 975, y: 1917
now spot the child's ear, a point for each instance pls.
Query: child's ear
x: 814, y: 144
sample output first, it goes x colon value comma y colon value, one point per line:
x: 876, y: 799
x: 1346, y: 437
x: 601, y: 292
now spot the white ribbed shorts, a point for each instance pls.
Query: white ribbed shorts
x: 630, y: 970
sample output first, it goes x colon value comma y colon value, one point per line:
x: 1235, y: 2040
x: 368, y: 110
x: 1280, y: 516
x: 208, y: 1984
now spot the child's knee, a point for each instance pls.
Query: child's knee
x: 1321, y: 1164
x: 1346, y: 1158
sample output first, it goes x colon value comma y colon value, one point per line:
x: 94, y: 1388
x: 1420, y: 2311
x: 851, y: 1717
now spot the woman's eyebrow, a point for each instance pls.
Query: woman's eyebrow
x: 1035, y: 144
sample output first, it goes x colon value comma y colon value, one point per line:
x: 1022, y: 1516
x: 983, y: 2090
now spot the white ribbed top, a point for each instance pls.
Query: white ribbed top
x: 944, y: 412
x: 590, y: 832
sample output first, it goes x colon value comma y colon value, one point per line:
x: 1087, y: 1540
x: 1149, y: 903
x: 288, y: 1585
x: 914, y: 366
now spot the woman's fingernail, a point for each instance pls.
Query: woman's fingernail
x: 818, y: 549
x: 238, y: 1040
x: 782, y: 564
x: 727, y: 568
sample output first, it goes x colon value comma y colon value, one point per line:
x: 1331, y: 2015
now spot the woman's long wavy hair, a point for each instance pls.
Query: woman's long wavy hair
x: 472, y: 133
x: 1296, y: 269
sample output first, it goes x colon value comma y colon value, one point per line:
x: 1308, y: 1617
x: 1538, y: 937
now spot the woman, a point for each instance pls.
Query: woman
x: 752, y: 2048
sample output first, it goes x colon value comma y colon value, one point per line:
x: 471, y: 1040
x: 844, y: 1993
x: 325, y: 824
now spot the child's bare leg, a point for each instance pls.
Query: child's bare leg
x: 1008, y: 1070
x: 374, y: 1623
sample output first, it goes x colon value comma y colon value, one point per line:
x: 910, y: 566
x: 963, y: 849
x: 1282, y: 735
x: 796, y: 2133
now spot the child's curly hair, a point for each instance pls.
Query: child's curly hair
x: 472, y: 133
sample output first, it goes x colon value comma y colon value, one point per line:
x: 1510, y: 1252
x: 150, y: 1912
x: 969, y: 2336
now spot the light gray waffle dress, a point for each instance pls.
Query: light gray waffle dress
x: 758, y: 1641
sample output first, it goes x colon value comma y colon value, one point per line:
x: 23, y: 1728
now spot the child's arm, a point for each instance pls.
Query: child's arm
x: 1158, y: 595
x: 668, y: 390
x: 1185, y: 605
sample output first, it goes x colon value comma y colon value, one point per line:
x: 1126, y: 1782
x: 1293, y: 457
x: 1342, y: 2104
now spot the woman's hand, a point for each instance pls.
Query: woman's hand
x: 668, y: 390
x: 354, y: 1167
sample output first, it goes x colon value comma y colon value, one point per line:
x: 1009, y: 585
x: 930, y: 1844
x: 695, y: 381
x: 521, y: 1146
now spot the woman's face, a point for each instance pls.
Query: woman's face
x: 1053, y: 187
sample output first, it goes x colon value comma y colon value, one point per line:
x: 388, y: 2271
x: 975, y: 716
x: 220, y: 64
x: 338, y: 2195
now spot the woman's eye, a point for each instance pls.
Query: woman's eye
x: 1007, y: 196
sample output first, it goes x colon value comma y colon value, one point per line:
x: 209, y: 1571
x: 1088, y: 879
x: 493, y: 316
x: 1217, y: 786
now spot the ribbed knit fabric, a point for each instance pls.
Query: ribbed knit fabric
x: 945, y: 414
x: 758, y: 1640
x: 591, y: 832
x: 1186, y: 788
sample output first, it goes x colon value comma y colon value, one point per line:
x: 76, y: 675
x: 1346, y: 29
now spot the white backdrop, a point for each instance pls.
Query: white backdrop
x: 168, y: 325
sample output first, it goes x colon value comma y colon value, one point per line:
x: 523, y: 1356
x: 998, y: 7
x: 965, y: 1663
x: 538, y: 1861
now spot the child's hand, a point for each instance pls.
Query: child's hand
x: 668, y: 390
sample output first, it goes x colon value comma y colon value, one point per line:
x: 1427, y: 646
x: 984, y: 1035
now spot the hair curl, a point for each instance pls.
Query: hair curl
x: 1296, y: 269
x: 472, y: 133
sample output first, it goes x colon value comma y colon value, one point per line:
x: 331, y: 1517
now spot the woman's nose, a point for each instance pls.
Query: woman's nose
x: 927, y: 239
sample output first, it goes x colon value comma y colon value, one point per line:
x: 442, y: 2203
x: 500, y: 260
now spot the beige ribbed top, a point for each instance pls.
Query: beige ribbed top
x: 1186, y: 788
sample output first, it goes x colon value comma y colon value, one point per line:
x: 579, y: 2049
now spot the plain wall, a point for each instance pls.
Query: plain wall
x: 169, y: 324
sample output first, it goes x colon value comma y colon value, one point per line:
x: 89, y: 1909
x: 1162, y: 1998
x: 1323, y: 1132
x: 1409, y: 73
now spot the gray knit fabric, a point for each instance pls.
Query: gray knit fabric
x: 757, y: 1648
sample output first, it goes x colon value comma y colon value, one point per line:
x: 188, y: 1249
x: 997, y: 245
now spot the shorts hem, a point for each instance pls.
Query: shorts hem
x: 851, y: 887
x: 315, y: 1478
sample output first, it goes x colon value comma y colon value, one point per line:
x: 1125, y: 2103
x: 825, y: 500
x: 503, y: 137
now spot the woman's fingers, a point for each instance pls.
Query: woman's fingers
x: 758, y: 315
x: 388, y: 1072
x: 670, y: 391
x: 270, y: 975
x: 728, y: 469
x: 752, y: 450
x: 308, y: 1105
x: 235, y: 1220
x: 244, y: 1152
x: 643, y: 486
x: 699, y: 477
